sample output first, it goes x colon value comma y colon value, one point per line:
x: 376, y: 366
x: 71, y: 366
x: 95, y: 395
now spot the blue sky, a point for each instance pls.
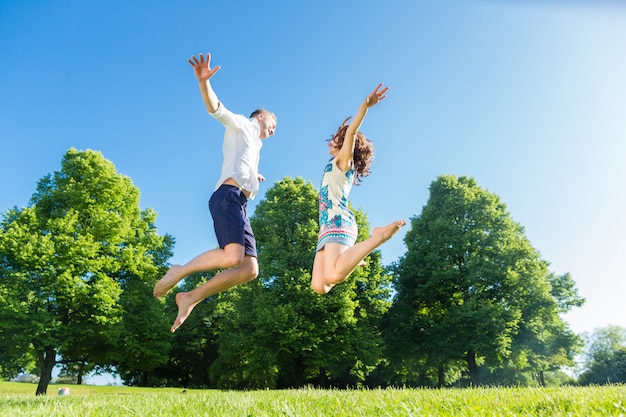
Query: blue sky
x: 527, y: 97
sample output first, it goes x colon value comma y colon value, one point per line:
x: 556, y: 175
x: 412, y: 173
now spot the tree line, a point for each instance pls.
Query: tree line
x: 471, y: 302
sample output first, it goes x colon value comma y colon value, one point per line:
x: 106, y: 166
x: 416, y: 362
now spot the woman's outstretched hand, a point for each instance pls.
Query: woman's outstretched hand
x: 376, y: 96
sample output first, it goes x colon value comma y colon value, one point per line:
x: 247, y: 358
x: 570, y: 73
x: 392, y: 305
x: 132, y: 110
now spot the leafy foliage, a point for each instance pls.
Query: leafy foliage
x: 278, y: 332
x: 605, y: 357
x: 471, y: 287
x: 67, y: 259
x: 471, y: 301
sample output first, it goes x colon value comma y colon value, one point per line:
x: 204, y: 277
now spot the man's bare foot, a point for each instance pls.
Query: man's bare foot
x: 185, y: 306
x: 168, y: 281
x: 386, y: 232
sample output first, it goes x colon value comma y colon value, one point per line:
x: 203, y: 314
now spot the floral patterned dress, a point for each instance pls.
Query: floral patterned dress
x: 337, y: 224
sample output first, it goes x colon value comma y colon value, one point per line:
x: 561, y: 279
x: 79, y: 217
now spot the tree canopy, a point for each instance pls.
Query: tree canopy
x: 470, y: 301
x: 604, y: 359
x: 278, y: 332
x: 471, y: 285
x: 68, y: 257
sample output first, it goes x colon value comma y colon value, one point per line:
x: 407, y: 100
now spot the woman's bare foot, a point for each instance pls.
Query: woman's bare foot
x: 386, y: 232
x: 185, y: 306
x: 168, y: 281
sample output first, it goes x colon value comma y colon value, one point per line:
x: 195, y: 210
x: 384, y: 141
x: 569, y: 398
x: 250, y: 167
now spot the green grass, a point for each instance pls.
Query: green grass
x: 18, y: 399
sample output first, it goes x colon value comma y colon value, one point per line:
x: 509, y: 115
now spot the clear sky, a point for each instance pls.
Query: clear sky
x: 528, y: 97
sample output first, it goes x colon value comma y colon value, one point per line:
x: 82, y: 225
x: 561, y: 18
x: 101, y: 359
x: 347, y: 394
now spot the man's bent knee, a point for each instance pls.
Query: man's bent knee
x: 250, y: 267
x: 233, y: 255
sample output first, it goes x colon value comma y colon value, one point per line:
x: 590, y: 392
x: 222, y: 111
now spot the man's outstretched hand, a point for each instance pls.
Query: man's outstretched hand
x: 201, y: 68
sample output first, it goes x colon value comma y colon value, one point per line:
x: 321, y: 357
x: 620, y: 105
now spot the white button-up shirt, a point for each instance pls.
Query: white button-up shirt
x: 241, y: 149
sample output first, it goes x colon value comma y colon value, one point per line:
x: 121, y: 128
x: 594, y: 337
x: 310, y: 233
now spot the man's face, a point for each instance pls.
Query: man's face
x: 267, y: 123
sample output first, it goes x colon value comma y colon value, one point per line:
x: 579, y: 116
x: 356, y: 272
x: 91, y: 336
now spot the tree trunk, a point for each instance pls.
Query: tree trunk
x: 47, y: 361
x: 144, y: 378
x: 298, y: 372
x: 185, y: 380
x: 441, y: 377
x: 422, y: 380
x: 473, y: 368
x: 541, y: 378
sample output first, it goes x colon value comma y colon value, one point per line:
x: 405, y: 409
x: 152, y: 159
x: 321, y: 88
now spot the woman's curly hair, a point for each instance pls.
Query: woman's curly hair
x: 363, y: 151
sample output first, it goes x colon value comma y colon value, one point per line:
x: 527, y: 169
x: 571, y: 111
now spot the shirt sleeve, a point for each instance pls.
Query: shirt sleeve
x: 228, y: 118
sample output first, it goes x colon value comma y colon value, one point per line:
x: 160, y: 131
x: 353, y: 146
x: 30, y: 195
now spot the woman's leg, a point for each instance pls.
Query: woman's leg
x: 334, y: 263
x: 318, y: 283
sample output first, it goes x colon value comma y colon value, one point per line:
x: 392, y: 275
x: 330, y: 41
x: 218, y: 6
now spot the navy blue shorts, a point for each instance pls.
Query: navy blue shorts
x: 230, y: 221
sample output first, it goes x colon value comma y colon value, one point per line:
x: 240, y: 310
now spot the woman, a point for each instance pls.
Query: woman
x: 337, y: 255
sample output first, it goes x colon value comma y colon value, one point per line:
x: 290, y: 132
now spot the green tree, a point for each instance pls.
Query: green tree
x: 68, y: 257
x: 544, y: 341
x: 276, y: 331
x: 469, y: 282
x: 194, y: 346
x: 142, y: 341
x: 14, y: 353
x: 605, y: 356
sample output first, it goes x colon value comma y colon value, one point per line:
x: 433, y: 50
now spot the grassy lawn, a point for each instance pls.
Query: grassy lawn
x: 18, y: 399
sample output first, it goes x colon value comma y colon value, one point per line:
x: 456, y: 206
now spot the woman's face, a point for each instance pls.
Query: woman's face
x: 333, y: 147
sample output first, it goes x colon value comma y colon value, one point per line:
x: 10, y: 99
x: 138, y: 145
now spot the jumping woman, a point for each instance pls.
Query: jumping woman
x: 337, y: 255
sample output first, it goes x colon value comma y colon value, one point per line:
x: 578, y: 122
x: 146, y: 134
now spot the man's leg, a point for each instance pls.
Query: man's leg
x: 228, y: 257
x: 186, y: 301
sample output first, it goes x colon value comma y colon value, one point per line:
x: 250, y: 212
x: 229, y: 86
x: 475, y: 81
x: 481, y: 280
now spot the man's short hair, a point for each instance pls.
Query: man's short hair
x: 265, y: 112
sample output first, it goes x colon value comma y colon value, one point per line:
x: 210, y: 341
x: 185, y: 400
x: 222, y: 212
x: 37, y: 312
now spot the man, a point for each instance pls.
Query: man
x: 238, y: 182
